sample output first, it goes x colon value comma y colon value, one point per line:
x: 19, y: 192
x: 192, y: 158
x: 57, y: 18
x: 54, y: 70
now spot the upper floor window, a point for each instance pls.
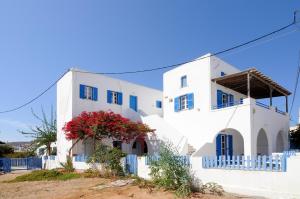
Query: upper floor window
x: 158, y: 104
x: 133, y: 102
x: 183, y: 81
x: 88, y: 92
x: 114, y: 97
x: 222, y: 74
x: 184, y: 102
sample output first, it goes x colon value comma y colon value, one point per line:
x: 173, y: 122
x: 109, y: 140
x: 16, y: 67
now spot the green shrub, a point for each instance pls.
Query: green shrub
x: 91, y: 173
x: 43, y: 175
x: 168, y: 172
x: 68, y: 165
x: 5, y: 149
x: 109, y: 157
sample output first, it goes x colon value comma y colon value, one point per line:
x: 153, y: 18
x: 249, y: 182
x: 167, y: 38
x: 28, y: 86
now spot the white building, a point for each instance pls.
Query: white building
x: 207, y: 107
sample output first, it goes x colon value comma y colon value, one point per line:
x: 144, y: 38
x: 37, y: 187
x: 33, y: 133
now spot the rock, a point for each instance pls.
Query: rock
x: 117, y: 183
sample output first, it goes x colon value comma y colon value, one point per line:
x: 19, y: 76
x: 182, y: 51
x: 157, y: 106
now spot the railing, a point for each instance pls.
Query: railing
x: 262, y: 105
x: 80, y: 158
x: 229, y: 104
x: 185, y: 160
x: 290, y: 153
x: 279, y: 111
x: 19, y: 162
x: 254, y: 163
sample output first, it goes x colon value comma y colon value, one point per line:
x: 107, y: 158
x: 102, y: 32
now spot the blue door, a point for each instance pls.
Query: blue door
x: 131, y: 164
x: 224, y: 145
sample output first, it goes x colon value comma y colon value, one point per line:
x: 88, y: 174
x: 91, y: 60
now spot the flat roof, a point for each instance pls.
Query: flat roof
x: 260, y: 84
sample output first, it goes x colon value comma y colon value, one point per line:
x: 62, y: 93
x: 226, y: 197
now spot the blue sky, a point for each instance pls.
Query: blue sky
x: 39, y: 40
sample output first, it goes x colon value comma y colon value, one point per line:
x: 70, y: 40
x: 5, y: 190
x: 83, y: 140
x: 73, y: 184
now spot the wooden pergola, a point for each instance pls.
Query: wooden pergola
x: 254, y: 84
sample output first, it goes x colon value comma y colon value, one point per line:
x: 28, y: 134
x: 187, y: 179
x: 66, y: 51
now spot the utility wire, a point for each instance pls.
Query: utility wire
x: 296, y: 84
x: 159, y: 68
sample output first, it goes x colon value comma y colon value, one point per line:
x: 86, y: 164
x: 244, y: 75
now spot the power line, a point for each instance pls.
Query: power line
x: 296, y: 83
x: 159, y: 68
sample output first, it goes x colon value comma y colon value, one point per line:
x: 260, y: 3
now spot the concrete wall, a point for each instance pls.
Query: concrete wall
x: 256, y: 183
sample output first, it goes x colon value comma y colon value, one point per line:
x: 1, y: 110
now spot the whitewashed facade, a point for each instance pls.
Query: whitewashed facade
x: 187, y: 112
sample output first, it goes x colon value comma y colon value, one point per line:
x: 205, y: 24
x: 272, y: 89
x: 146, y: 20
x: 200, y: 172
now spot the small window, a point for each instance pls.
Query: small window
x: 114, y: 97
x: 183, y: 81
x: 222, y: 74
x: 183, y: 102
x: 117, y: 144
x: 158, y: 104
x: 88, y: 93
x: 224, y: 99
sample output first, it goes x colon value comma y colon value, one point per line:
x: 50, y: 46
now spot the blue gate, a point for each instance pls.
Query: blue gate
x: 34, y: 163
x: 5, y: 165
x: 131, y: 164
x: 28, y: 163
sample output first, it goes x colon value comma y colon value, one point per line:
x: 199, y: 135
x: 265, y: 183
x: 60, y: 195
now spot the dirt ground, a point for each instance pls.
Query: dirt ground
x: 82, y: 188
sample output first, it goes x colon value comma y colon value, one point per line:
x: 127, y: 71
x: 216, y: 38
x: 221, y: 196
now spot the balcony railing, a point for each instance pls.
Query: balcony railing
x: 229, y: 104
x: 262, y: 105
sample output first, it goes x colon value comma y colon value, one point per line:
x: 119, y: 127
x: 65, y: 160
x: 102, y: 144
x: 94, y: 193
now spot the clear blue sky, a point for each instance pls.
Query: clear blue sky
x: 39, y: 40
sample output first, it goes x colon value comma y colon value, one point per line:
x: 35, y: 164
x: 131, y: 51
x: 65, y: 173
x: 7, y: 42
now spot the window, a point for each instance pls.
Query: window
x: 223, y: 145
x: 114, y: 97
x: 183, y: 82
x: 133, y: 102
x: 183, y: 102
x: 117, y: 144
x: 88, y: 92
x: 158, y: 104
x: 224, y: 99
x: 222, y: 74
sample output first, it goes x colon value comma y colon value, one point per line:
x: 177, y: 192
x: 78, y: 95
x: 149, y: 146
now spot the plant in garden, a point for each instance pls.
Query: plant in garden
x: 109, y: 157
x: 100, y: 125
x: 68, y: 165
x: 170, y: 173
x: 43, y: 134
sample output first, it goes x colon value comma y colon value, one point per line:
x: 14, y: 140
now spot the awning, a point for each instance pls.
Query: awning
x: 260, y: 84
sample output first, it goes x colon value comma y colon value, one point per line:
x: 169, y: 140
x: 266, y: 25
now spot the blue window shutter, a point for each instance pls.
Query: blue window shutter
x: 120, y: 98
x: 231, y: 100
x: 109, y: 96
x: 223, y: 74
x: 133, y: 102
x: 81, y: 91
x: 158, y: 104
x: 218, y: 145
x: 229, y: 145
x: 190, y: 100
x: 95, y: 94
x: 219, y: 99
x: 176, y: 104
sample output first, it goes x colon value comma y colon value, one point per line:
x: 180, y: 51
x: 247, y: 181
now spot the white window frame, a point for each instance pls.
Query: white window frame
x: 114, y: 97
x: 183, y: 102
x: 88, y: 92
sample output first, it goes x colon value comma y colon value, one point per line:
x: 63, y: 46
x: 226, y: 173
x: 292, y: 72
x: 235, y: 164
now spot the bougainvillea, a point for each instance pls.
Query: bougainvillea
x: 100, y: 125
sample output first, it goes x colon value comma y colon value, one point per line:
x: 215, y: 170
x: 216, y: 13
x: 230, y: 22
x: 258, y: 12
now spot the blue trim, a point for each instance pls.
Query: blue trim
x: 109, y: 96
x: 95, y: 93
x: 133, y: 102
x: 219, y: 99
x: 190, y: 100
x: 81, y: 91
x: 120, y: 98
x: 222, y: 74
x: 218, y: 145
x: 158, y: 104
x: 176, y: 104
x: 229, y: 145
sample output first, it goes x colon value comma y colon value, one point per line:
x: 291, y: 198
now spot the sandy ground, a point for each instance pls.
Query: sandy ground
x: 82, y: 188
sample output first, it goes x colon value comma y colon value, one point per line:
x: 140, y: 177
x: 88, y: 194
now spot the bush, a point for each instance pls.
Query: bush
x: 91, y: 173
x: 168, y: 172
x: 41, y: 175
x: 5, y: 149
x: 20, y: 154
x: 109, y: 157
x: 68, y: 166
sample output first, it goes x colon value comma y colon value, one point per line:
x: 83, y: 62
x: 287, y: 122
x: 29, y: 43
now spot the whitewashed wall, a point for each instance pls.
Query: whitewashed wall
x: 275, y: 185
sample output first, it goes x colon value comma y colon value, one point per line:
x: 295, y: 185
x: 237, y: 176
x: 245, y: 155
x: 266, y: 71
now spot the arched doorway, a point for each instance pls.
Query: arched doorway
x: 229, y: 142
x: 279, y: 142
x: 262, y: 143
x: 139, y: 146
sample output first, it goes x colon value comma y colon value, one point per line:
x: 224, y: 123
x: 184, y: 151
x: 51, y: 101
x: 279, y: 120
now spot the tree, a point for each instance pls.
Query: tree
x: 45, y: 133
x: 295, y: 138
x: 100, y: 125
x: 5, y: 149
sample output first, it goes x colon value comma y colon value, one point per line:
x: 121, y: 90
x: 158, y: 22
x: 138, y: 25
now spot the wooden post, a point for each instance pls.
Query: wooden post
x: 248, y: 85
x: 286, y: 104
